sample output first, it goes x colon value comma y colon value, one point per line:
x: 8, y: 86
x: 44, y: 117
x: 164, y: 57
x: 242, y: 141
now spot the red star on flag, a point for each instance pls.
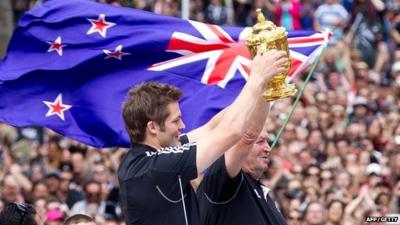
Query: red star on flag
x: 56, y: 46
x: 57, y: 107
x: 117, y: 53
x: 100, y: 25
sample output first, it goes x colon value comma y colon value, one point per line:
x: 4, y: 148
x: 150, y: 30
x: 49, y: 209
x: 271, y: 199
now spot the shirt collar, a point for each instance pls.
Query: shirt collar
x: 140, y: 148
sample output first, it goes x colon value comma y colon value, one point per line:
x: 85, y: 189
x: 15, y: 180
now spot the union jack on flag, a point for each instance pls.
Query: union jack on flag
x: 226, y: 56
x: 70, y: 64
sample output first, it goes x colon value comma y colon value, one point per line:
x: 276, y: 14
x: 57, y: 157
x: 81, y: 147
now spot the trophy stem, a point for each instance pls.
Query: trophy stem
x: 279, y: 89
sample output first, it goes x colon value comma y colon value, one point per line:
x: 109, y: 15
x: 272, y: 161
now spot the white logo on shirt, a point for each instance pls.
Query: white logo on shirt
x: 169, y: 150
x: 258, y: 195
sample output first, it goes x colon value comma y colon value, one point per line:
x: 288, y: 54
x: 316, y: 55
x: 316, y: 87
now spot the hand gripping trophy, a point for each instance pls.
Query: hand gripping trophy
x: 267, y: 36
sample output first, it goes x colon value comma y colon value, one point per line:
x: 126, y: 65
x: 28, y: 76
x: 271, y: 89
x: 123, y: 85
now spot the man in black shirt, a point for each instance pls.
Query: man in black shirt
x: 155, y: 175
x: 231, y: 192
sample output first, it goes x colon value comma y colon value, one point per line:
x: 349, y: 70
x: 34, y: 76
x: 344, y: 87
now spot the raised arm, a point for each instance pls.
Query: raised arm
x: 242, y: 119
x: 237, y: 155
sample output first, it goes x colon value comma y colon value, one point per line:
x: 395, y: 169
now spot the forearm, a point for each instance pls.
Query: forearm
x: 243, y: 109
x: 348, y: 69
x: 23, y: 181
x: 237, y: 155
x: 353, y: 205
x: 395, y: 36
x: 378, y: 4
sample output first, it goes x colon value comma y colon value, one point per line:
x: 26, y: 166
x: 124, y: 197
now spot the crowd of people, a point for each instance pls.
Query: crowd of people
x: 336, y: 162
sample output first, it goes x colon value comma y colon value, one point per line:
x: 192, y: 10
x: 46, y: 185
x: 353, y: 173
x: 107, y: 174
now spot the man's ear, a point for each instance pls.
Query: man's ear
x: 152, y: 127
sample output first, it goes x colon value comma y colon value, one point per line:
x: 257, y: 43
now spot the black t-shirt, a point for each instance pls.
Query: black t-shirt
x: 150, y: 185
x: 73, y: 197
x: 234, y: 201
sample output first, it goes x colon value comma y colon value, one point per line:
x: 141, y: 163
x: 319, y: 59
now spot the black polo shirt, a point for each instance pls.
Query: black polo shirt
x: 234, y: 201
x: 150, y: 190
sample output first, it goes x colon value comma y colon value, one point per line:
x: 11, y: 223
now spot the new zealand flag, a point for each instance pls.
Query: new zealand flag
x: 71, y: 63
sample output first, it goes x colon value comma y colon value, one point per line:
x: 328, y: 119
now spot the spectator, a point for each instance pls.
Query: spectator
x: 216, y: 13
x: 243, y: 12
x: 40, y: 206
x: 39, y: 190
x: 67, y: 193
x: 10, y: 190
x: 54, y: 152
x: 335, y: 212
x: 368, y: 28
x: 18, y: 214
x: 287, y: 13
x: 93, y: 204
x: 331, y: 16
x: 53, y: 183
x: 315, y: 214
x: 79, y: 219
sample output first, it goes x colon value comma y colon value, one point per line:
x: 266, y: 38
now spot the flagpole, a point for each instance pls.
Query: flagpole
x: 296, y: 102
x: 185, y: 9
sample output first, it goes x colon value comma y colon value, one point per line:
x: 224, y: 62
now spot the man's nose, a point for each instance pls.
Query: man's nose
x: 267, y: 148
x: 182, y: 125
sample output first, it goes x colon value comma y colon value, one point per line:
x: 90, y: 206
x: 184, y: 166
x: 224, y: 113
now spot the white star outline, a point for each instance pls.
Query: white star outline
x: 102, y: 30
x: 56, y: 46
x: 117, y: 53
x: 57, y: 102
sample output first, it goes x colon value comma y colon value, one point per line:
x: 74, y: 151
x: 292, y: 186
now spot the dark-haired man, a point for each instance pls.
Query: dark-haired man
x: 155, y: 174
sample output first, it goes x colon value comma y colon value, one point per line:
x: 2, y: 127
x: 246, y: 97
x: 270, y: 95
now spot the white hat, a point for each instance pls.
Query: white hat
x: 360, y: 100
x: 396, y: 67
x: 374, y: 168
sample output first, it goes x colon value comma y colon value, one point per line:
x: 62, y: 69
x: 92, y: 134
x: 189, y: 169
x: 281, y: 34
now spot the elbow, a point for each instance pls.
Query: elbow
x: 234, y: 134
x: 246, y: 136
x: 249, y: 137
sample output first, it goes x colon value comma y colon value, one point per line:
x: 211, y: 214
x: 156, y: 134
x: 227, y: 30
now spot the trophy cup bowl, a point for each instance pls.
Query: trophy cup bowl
x: 267, y: 36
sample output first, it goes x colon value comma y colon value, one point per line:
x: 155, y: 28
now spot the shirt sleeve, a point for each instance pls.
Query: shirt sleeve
x: 184, y: 139
x: 217, y: 186
x: 173, y: 162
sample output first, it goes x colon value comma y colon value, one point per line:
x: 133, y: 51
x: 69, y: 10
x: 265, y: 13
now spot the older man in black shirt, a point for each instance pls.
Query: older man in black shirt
x: 231, y: 193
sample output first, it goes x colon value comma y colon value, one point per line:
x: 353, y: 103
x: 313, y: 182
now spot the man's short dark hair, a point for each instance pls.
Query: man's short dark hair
x: 147, y: 102
x: 89, y: 182
x: 18, y: 214
x: 78, y: 218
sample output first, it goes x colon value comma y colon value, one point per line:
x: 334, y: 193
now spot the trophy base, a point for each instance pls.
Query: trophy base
x: 284, y: 91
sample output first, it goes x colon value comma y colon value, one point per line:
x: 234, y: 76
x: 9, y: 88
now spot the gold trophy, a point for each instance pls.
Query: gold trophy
x: 267, y: 36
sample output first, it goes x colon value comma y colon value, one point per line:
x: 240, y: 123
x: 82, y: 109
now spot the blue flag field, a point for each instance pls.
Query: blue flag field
x: 71, y: 63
